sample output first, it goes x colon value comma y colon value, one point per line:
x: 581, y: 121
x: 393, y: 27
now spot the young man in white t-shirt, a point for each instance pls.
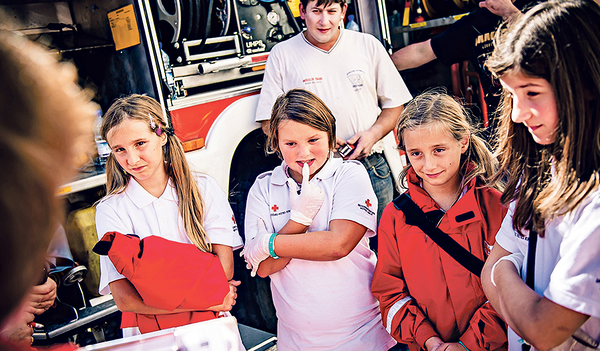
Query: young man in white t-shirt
x: 352, y: 73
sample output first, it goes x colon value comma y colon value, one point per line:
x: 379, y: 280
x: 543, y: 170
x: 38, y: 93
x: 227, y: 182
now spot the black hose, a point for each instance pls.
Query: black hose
x: 207, y: 25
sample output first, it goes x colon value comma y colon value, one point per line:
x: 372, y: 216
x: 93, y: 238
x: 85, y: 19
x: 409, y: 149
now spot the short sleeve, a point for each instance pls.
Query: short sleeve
x: 59, y: 246
x: 506, y: 234
x: 107, y: 220
x: 219, y: 221
x: 354, y: 198
x: 574, y: 282
x: 272, y: 87
x: 391, y: 89
x: 257, y: 207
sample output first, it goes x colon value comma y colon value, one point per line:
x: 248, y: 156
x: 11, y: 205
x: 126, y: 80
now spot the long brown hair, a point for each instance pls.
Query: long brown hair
x: 558, y: 41
x: 437, y: 107
x: 148, y: 110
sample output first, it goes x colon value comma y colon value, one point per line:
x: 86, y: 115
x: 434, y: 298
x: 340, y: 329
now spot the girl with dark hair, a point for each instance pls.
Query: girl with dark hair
x: 549, y: 146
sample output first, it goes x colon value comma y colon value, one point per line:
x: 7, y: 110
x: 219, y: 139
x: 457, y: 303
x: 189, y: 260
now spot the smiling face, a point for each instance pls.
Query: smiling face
x: 139, y: 151
x: 533, y: 104
x: 435, y: 156
x: 322, y: 23
x: 299, y: 144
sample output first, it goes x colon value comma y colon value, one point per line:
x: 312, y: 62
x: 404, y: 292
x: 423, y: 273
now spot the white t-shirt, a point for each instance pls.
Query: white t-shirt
x: 567, y: 262
x: 356, y: 79
x: 324, y: 305
x: 135, y: 211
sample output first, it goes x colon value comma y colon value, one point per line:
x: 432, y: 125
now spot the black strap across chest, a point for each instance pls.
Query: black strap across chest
x: 530, y: 275
x: 428, y: 224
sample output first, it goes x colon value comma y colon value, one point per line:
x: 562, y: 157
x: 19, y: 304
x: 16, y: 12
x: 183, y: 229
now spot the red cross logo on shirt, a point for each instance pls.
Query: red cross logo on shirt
x: 368, y: 203
x: 274, y: 208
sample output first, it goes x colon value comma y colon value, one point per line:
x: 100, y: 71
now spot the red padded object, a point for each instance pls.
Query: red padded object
x: 168, y: 275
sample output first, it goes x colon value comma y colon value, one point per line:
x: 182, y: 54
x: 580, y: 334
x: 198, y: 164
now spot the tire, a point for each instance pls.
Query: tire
x: 254, y: 305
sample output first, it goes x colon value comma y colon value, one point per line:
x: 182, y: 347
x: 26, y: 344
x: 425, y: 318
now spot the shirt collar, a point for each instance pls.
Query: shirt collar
x: 466, y: 210
x: 141, y: 198
x: 324, y: 51
x: 280, y: 175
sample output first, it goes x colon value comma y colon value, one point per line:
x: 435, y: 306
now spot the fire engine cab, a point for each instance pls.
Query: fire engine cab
x: 203, y: 60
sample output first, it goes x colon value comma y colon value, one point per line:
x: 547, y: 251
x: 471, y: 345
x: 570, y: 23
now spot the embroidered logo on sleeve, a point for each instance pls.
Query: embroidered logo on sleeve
x: 367, y: 207
x: 235, y: 226
x: 276, y: 208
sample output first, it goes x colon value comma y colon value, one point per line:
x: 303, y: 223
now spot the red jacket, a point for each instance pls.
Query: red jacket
x: 168, y: 275
x: 426, y: 292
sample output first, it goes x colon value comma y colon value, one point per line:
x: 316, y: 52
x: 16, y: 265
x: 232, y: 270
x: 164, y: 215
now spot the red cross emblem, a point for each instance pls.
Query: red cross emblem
x: 274, y: 208
x: 368, y: 203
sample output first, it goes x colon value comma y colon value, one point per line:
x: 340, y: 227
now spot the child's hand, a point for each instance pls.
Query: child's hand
x: 433, y: 343
x: 256, y: 249
x: 304, y: 207
x: 451, y: 346
x: 229, y: 300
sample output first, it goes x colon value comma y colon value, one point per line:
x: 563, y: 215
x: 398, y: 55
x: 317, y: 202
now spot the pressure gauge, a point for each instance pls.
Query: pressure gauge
x: 273, y: 18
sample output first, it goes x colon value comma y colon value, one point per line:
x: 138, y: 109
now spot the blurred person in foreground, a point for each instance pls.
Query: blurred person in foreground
x: 46, y: 121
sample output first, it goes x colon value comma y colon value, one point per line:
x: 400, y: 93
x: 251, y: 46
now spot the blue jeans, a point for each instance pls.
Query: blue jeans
x: 381, y: 180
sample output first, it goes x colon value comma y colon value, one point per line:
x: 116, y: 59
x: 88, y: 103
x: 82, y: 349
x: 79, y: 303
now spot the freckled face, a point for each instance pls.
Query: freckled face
x: 138, y: 150
x: 434, y: 156
x: 299, y: 144
x: 534, y: 105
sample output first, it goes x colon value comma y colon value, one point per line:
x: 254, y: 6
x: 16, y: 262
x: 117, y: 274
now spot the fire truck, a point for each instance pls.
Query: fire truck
x: 204, y: 60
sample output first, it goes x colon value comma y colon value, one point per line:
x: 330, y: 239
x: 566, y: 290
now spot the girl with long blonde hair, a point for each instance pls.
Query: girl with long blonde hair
x: 152, y: 191
x: 428, y: 299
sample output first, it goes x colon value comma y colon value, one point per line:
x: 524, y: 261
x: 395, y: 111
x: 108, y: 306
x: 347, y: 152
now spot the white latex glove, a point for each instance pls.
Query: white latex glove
x: 516, y: 259
x: 256, y: 249
x: 304, y: 207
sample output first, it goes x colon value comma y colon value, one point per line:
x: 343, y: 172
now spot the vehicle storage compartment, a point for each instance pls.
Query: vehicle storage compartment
x: 213, y: 52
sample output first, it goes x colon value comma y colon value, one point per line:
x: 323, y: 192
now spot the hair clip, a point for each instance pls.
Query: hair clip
x: 152, y: 124
x: 158, y: 131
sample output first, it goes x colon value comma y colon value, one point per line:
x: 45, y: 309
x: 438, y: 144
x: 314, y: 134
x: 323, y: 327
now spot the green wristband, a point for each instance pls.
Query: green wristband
x: 272, y: 246
x: 463, y: 345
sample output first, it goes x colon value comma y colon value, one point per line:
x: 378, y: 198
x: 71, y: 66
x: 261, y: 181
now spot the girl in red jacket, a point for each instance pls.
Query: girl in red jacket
x: 429, y: 300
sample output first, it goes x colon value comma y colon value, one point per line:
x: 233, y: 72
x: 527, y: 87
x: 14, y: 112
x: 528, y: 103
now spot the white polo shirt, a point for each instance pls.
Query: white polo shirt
x: 135, y: 211
x: 356, y: 79
x: 324, y: 305
x: 567, y: 265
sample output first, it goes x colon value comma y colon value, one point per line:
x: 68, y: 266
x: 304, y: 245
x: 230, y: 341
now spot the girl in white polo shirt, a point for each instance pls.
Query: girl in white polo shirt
x: 311, y: 237
x: 543, y: 274
x: 151, y: 191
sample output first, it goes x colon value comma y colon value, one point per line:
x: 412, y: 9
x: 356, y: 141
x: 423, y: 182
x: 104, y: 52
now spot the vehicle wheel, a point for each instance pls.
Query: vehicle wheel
x: 254, y: 306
